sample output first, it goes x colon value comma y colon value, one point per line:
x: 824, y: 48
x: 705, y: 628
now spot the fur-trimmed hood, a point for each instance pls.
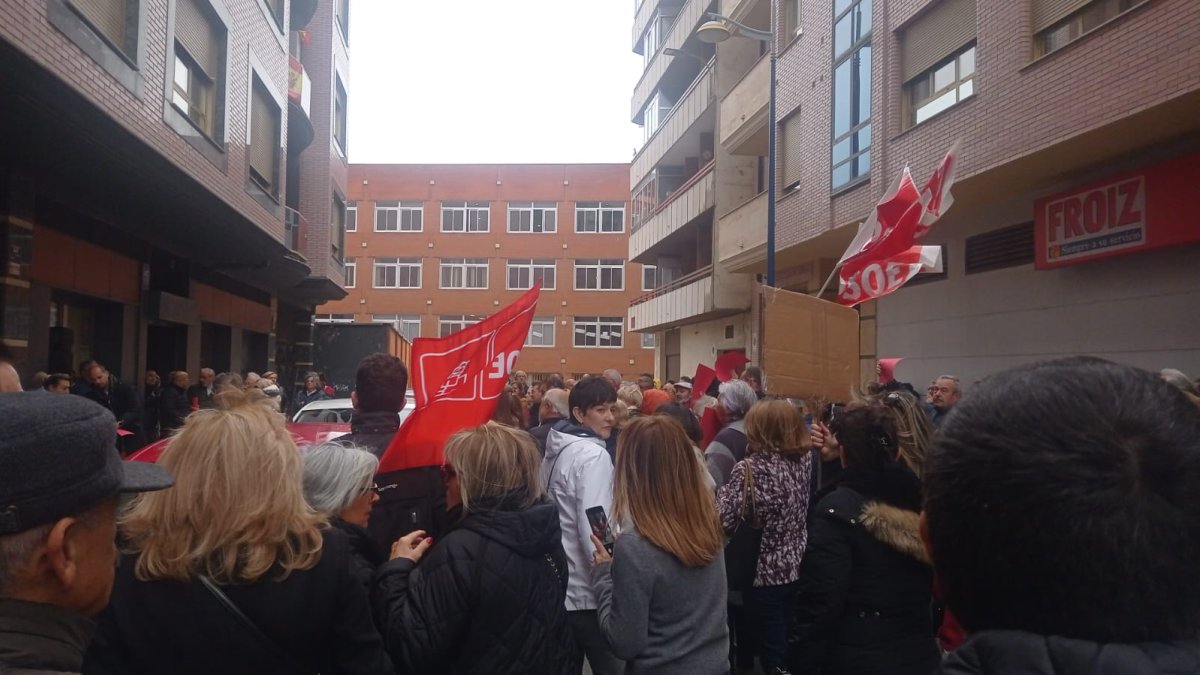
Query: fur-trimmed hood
x: 898, y: 528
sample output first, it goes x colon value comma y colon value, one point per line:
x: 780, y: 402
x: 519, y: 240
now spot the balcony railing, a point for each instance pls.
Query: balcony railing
x: 694, y: 102
x: 742, y: 234
x: 294, y: 225
x: 681, y: 30
x: 676, y: 284
x: 678, y: 302
x: 744, y: 112
x: 683, y: 206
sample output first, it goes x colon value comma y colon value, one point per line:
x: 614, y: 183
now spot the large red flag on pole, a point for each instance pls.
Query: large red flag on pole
x: 456, y: 381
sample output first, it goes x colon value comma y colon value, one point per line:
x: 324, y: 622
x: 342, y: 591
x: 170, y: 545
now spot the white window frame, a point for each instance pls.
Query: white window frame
x: 652, y: 270
x: 960, y: 88
x: 599, y: 267
x: 533, y: 268
x: 546, y: 325
x: 528, y: 214
x: 351, y: 265
x: 351, y: 216
x: 649, y: 340
x: 333, y: 318
x: 468, y: 270
x: 599, y: 210
x: 397, y: 265
x: 475, y: 216
x: 404, y: 216
x: 402, y: 323
x: 598, y: 324
x: 456, y: 323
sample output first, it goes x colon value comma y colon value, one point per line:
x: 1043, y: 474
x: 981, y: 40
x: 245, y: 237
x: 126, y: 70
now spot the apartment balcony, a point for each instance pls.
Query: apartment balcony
x: 685, y: 205
x: 302, y: 12
x: 739, y: 10
x: 690, y: 16
x: 742, y: 235
x: 679, y: 134
x: 294, y: 230
x: 744, y: 112
x: 300, y: 128
x: 707, y: 293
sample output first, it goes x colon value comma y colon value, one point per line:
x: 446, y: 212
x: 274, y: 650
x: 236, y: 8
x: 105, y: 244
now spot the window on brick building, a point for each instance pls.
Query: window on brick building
x: 337, y: 227
x: 199, y: 67
x: 351, y: 272
x: 398, y: 216
x: 464, y: 273
x: 599, y: 331
x: 541, y: 332
x: 453, y: 324
x: 342, y: 14
x: 532, y: 217
x: 464, y: 216
x: 352, y: 216
x: 339, y: 115
x: 397, y: 273
x: 264, y: 147
x: 523, y: 274
x: 937, y: 56
x: 1057, y: 23
x: 276, y: 8
x: 333, y: 318
x: 649, y: 340
x: 791, y: 146
x: 115, y: 21
x: 409, y: 325
x: 600, y: 217
x: 600, y: 275
x: 851, y: 160
x: 791, y: 20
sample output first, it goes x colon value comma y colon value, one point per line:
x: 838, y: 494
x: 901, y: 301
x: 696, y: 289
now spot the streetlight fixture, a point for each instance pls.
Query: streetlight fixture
x: 719, y: 29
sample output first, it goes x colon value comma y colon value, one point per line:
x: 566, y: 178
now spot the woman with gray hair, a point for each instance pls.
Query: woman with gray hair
x: 729, y: 446
x: 339, y: 483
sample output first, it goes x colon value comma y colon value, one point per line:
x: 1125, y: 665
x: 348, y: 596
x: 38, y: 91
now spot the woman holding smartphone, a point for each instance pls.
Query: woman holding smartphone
x: 661, y: 594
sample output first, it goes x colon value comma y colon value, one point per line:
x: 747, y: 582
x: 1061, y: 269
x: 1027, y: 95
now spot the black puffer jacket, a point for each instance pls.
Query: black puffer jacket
x: 365, y: 555
x: 864, y: 602
x: 487, y: 598
x: 1002, y: 652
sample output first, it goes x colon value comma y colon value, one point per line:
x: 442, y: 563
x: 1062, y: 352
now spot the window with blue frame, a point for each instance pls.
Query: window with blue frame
x: 851, y: 160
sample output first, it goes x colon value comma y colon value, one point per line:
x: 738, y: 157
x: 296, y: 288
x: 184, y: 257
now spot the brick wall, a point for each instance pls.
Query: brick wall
x: 498, y: 184
x: 25, y: 24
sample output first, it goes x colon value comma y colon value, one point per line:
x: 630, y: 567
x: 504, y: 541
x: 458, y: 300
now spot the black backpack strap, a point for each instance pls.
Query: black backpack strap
x: 273, y: 647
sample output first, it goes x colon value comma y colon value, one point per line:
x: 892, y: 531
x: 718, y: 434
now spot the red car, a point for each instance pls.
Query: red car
x: 303, y: 434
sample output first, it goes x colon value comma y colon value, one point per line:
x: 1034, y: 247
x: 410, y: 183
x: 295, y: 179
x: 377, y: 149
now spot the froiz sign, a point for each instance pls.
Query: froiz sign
x: 1095, y: 221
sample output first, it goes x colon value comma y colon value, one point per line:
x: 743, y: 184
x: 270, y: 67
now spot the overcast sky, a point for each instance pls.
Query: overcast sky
x: 480, y: 81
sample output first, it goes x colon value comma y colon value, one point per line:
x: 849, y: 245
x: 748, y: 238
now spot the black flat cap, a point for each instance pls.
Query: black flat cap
x: 58, y: 457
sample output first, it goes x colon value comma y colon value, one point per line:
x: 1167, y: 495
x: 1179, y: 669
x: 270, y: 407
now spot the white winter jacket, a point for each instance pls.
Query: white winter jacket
x: 577, y: 472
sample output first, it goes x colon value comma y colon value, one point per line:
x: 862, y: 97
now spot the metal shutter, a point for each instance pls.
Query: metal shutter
x: 1006, y: 247
x: 936, y: 35
x: 264, y: 134
x: 1046, y: 13
x: 793, y: 163
x: 201, y: 35
x: 106, y: 16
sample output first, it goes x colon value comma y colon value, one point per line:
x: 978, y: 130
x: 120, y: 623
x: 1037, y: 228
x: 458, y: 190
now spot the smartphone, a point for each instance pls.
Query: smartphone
x: 599, y: 522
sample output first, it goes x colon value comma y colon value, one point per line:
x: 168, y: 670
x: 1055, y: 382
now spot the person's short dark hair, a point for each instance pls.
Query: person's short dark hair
x: 690, y: 424
x: 591, y: 392
x: 867, y: 433
x: 1061, y: 500
x: 53, y: 379
x: 380, y: 383
x: 555, y: 381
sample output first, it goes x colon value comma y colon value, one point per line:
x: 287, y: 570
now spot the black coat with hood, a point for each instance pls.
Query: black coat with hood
x: 999, y: 652
x: 487, y: 598
x: 864, y: 601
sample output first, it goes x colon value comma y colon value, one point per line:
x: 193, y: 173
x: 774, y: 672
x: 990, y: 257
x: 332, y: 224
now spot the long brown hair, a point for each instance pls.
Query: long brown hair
x: 914, y: 431
x: 237, y: 509
x: 774, y: 425
x: 658, y: 486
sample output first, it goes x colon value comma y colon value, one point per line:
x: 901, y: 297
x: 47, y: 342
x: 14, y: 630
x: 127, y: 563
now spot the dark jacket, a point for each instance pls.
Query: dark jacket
x: 122, y: 399
x: 174, y: 407
x: 365, y: 554
x: 487, y: 598
x: 305, y: 397
x: 151, y: 409
x: 542, y: 431
x: 37, y: 638
x: 409, y: 499
x: 864, y: 598
x: 1000, y: 652
x: 320, y: 616
x: 202, y: 396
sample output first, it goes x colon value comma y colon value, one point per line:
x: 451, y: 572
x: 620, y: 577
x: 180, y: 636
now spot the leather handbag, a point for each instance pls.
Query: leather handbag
x: 741, y: 553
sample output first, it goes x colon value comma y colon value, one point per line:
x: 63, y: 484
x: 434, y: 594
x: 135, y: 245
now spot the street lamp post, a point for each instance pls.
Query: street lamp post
x: 718, y: 30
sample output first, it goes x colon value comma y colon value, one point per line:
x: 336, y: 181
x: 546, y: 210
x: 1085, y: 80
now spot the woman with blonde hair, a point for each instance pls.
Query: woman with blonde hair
x: 232, y: 572
x: 489, y: 597
x: 661, y: 593
x: 914, y: 430
x: 768, y: 491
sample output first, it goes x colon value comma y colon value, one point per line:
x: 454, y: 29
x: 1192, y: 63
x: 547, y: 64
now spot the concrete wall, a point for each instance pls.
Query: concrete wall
x: 700, y: 342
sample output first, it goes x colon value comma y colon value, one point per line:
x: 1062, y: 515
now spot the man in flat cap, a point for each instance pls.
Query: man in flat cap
x: 60, y: 480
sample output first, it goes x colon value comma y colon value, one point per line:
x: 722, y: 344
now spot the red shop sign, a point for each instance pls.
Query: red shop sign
x: 1139, y: 211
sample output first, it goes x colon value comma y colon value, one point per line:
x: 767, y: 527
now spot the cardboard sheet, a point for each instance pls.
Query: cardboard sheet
x: 810, y: 347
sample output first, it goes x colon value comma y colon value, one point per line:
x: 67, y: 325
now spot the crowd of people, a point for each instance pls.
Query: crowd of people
x: 1044, y: 522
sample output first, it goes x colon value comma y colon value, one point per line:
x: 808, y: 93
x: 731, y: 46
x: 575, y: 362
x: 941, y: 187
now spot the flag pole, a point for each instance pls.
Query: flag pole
x: 829, y: 279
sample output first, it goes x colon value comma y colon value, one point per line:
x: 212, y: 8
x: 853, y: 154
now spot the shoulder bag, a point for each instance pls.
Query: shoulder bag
x: 741, y: 553
x: 286, y: 659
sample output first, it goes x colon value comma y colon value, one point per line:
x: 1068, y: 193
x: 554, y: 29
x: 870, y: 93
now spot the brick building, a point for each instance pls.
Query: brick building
x: 1058, y: 106
x: 144, y: 187
x: 435, y: 248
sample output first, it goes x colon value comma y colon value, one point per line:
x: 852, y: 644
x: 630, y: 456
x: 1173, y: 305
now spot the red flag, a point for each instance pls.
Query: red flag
x: 702, y: 381
x: 935, y: 196
x: 728, y: 363
x: 884, y: 218
x: 456, y: 381
x: 886, y: 369
x: 710, y: 426
x: 875, y: 278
